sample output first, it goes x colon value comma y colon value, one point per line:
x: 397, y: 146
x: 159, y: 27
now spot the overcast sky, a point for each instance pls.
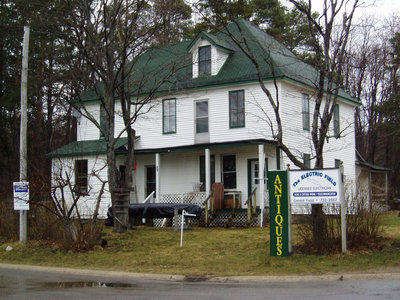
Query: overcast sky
x: 379, y: 8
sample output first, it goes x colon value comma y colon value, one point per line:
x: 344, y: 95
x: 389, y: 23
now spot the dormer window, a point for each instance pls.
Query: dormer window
x: 209, y: 53
x: 205, y: 60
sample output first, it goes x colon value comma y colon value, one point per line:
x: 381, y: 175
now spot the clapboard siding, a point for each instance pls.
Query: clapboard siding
x: 179, y: 170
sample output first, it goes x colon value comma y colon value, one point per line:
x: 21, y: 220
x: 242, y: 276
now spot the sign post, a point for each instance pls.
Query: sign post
x: 279, y: 213
x: 184, y: 214
x: 23, y: 166
x: 343, y: 212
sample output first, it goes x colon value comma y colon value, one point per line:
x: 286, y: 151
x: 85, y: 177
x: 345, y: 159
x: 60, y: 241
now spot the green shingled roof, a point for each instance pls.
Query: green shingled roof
x: 214, y: 40
x: 98, y: 147
x: 84, y: 148
x: 169, y: 69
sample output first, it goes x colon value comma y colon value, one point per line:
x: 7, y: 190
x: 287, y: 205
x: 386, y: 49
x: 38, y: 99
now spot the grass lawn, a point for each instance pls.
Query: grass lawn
x: 206, y: 252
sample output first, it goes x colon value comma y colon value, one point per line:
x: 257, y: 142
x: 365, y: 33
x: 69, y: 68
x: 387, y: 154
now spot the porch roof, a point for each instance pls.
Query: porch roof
x: 239, y: 143
x: 373, y: 167
x: 90, y: 147
x: 97, y: 147
x: 362, y: 162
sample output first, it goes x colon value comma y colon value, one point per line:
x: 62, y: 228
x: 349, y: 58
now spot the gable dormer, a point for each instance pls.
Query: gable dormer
x: 209, y: 54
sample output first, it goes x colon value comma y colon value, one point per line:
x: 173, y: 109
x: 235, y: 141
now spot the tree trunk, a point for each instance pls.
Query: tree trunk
x: 70, y: 231
x: 318, y: 225
x: 118, y: 203
x: 317, y: 213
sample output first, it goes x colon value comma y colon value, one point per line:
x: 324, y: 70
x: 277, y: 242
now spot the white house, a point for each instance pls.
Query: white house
x: 213, y: 123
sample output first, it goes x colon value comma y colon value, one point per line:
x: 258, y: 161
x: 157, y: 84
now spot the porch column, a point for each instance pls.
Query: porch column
x: 208, y: 171
x: 261, y: 160
x: 158, y: 178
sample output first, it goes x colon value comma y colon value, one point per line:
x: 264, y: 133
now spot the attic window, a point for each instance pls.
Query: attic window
x: 205, y: 60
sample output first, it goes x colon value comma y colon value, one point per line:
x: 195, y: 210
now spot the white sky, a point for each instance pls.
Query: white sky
x: 379, y: 8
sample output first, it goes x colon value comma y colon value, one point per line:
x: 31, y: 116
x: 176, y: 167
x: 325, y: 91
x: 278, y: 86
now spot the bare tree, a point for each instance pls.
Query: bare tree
x: 331, y: 33
x: 67, y: 201
x: 372, y: 77
x: 112, y: 41
x: 329, y: 43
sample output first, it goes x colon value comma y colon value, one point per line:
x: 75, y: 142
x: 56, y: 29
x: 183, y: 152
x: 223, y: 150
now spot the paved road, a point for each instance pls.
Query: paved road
x: 37, y: 283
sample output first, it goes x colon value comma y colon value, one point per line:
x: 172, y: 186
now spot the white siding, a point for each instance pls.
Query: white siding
x: 149, y: 127
x: 179, y: 170
x: 299, y: 140
x: 219, y: 62
x: 86, y: 204
x: 86, y: 129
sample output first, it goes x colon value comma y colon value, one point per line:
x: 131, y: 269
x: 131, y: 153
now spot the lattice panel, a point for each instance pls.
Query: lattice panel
x: 171, y: 198
x: 171, y: 222
x: 193, y: 198
x: 188, y: 221
x: 240, y: 220
x: 157, y: 222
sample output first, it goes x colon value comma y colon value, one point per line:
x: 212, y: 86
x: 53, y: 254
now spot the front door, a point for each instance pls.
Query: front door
x: 150, y: 180
x: 254, y: 175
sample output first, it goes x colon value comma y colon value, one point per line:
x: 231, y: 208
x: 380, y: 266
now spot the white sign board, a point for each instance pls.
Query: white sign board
x: 315, y: 186
x: 21, y: 195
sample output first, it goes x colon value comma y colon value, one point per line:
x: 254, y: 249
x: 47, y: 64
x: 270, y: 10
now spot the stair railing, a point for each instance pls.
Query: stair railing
x: 149, y: 197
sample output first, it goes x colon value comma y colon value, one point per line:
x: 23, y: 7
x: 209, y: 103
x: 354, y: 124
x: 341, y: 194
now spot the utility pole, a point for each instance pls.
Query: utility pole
x: 23, y: 174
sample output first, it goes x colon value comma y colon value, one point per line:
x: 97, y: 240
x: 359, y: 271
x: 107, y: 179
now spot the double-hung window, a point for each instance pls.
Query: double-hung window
x: 306, y: 112
x: 229, y: 171
x: 336, y: 121
x: 205, y: 60
x: 201, y: 116
x: 236, y: 109
x: 169, y: 116
x: 81, y: 176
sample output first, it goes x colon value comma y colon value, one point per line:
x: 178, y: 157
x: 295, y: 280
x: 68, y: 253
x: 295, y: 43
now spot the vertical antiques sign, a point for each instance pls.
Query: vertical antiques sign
x: 279, y: 213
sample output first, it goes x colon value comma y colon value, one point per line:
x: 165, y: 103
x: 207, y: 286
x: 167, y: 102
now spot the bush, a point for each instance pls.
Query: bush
x: 9, y: 220
x: 88, y: 235
x: 364, y: 228
x: 364, y: 224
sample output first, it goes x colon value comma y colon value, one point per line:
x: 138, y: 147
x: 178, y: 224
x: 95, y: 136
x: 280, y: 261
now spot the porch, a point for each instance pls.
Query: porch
x: 239, y: 215
x: 189, y: 174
